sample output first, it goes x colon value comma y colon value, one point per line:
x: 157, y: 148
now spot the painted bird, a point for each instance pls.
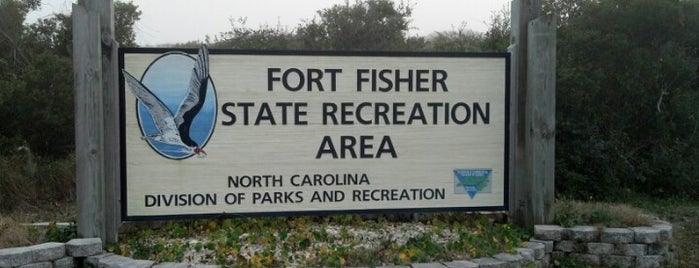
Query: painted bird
x: 175, y: 129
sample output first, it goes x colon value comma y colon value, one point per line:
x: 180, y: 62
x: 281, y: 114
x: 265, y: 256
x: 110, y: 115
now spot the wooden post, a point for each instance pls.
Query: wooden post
x: 110, y: 117
x: 531, y: 183
x: 89, y: 152
x: 523, y: 11
x: 96, y: 120
x: 515, y: 185
x: 540, y: 116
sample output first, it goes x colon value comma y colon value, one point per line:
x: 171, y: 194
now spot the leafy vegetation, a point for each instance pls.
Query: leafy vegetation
x: 36, y: 103
x: 322, y: 241
x: 60, y: 234
x: 627, y: 89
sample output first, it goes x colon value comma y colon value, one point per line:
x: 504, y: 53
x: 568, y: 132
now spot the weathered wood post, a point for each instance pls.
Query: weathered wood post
x: 533, y: 114
x: 540, y: 118
x: 110, y: 83
x: 89, y: 146
x: 96, y: 119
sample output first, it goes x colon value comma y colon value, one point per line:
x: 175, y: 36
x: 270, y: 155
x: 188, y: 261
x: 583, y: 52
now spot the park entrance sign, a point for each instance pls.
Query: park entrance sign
x: 228, y: 133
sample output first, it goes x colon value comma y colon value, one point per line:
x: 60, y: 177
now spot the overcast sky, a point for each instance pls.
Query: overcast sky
x: 177, y: 21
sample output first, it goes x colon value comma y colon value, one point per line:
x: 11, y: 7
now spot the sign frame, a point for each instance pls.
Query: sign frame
x: 122, y: 131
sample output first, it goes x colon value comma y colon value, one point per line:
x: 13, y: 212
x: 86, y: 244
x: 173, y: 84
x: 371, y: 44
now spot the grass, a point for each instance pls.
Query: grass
x: 570, y: 213
x: 28, y: 180
x: 684, y: 216
x: 34, y: 189
x: 13, y: 232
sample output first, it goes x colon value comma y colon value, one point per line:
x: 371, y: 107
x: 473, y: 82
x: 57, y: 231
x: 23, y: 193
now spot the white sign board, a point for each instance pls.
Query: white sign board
x: 228, y: 133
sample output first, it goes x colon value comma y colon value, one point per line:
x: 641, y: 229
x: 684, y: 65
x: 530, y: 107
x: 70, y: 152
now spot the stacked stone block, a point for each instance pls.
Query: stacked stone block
x: 643, y: 247
x: 58, y: 255
x: 75, y: 253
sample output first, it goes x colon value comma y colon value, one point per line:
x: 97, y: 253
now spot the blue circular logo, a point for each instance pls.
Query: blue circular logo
x: 176, y: 104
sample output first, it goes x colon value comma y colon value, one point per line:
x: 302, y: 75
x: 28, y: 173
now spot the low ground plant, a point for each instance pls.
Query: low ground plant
x: 349, y: 240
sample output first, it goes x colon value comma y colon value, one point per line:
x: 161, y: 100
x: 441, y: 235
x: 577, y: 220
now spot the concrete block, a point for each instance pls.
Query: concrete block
x: 172, y: 265
x: 631, y: 249
x: 109, y: 260
x: 590, y: 259
x: 428, y: 265
x: 511, y: 259
x: 616, y: 235
x: 48, y: 251
x: 10, y: 257
x: 461, y: 264
x: 490, y: 263
x: 84, y: 247
x: 583, y: 233
x: 646, y: 235
x: 527, y: 254
x: 665, y: 234
x: 548, y: 232
x: 45, y: 264
x: 538, y: 249
x: 566, y: 246
x: 94, y: 260
x: 547, y: 243
x: 649, y: 261
x: 618, y: 261
x: 600, y: 248
x: 65, y: 262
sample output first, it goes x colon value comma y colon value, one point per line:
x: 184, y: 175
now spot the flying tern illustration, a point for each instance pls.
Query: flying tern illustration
x: 174, y: 128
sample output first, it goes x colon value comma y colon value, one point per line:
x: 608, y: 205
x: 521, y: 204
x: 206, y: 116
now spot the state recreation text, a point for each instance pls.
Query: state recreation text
x: 350, y: 113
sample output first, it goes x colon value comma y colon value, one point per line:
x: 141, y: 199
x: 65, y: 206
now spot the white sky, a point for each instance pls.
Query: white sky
x: 178, y: 21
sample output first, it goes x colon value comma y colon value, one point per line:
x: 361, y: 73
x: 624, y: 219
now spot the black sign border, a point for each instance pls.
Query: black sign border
x: 151, y: 50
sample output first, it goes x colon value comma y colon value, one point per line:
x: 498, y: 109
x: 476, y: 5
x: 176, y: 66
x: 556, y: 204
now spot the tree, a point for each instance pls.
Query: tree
x: 497, y: 38
x: 12, y: 15
x: 265, y: 37
x: 565, y: 9
x: 126, y: 14
x: 364, y: 25
x: 627, y: 89
x: 53, y: 34
x: 36, y: 93
x: 456, y: 40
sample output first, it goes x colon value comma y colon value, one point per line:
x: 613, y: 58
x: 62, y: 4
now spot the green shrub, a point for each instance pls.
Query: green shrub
x: 60, y: 234
x: 626, y: 99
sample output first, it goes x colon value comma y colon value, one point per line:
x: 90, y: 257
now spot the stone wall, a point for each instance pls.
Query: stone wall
x: 88, y: 253
x: 75, y: 253
x: 642, y: 247
x: 51, y: 254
